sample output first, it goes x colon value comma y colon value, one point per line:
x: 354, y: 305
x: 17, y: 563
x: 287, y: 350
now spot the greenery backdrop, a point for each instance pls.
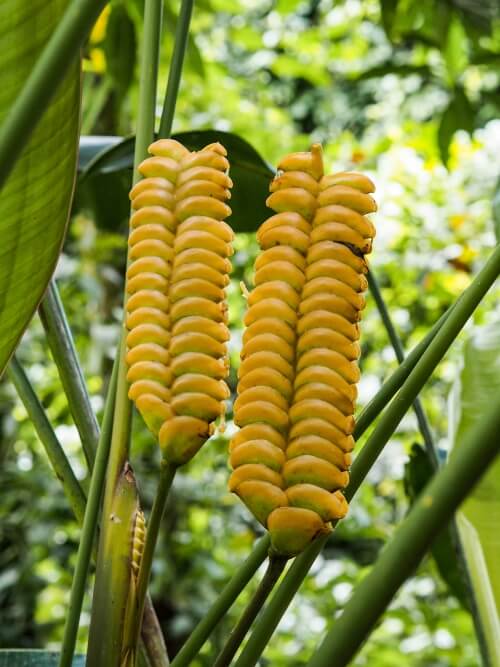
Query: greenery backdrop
x: 407, y: 91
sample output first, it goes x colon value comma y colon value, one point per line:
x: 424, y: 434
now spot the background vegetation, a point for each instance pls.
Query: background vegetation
x: 407, y: 91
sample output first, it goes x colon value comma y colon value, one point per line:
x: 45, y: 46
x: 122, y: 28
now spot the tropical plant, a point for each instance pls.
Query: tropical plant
x: 39, y: 113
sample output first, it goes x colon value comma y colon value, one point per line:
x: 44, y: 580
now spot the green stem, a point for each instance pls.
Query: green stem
x: 238, y: 634
x: 222, y: 604
x: 454, y: 323
x: 175, y: 71
x: 167, y: 474
x: 98, y: 96
x: 55, y: 452
x: 396, y: 380
x: 53, y: 63
x: 63, y: 350
x: 422, y: 420
x: 88, y: 530
x: 433, y: 509
x: 430, y: 447
x: 389, y: 421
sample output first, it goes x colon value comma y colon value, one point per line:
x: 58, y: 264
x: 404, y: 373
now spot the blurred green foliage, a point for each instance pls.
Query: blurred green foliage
x: 384, y: 85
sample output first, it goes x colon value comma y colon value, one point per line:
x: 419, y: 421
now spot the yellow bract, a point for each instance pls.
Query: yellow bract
x: 176, y: 311
x: 297, y: 379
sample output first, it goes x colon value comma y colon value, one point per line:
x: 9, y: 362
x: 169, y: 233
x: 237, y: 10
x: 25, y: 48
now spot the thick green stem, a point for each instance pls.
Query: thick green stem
x: 63, y: 350
x: 423, y: 422
x: 238, y: 634
x: 175, y: 71
x: 223, y: 603
x: 389, y: 421
x: 48, y: 72
x: 433, y: 509
x: 55, y: 452
x: 167, y: 474
x: 88, y: 530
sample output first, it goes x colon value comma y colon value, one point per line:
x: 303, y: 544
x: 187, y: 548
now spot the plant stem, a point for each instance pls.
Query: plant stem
x: 396, y: 380
x: 53, y: 63
x: 167, y: 474
x: 175, y: 71
x: 63, y: 350
x: 220, y: 607
x: 425, y: 367
x: 431, y: 450
x: 432, y: 510
x: 273, y: 573
x: 73, y: 491
x: 389, y: 421
x: 53, y: 448
x: 88, y: 530
x: 422, y: 420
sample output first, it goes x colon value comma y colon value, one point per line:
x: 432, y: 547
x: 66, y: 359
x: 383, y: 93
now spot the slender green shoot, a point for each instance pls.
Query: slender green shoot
x: 274, y: 570
x: 63, y: 350
x: 175, y: 71
x: 388, y: 423
x: 433, y: 509
x: 392, y: 385
x: 48, y: 438
x: 62, y: 50
x: 423, y: 422
x: 88, y: 530
x: 229, y: 594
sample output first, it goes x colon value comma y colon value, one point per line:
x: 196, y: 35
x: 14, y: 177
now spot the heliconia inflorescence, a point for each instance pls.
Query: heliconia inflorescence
x: 298, y: 375
x: 176, y: 309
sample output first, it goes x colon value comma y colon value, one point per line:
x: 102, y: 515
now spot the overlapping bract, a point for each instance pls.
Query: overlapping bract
x: 297, y: 379
x: 176, y: 312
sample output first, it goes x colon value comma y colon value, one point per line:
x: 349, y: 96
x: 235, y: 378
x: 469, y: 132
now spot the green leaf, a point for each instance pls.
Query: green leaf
x: 388, y: 10
x: 120, y: 47
x: 250, y: 174
x: 418, y: 473
x: 455, y: 51
x: 479, y: 516
x: 459, y: 115
x: 91, y: 146
x: 35, y: 200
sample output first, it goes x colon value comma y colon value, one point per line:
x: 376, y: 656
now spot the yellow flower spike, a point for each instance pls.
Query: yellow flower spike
x: 297, y: 380
x: 176, y: 310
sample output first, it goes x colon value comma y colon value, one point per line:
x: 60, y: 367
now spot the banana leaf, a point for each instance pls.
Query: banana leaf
x: 35, y: 200
x: 479, y: 517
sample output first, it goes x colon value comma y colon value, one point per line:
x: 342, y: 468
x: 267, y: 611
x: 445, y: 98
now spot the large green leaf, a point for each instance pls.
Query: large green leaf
x: 35, y: 201
x: 479, y: 517
x: 101, y: 187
